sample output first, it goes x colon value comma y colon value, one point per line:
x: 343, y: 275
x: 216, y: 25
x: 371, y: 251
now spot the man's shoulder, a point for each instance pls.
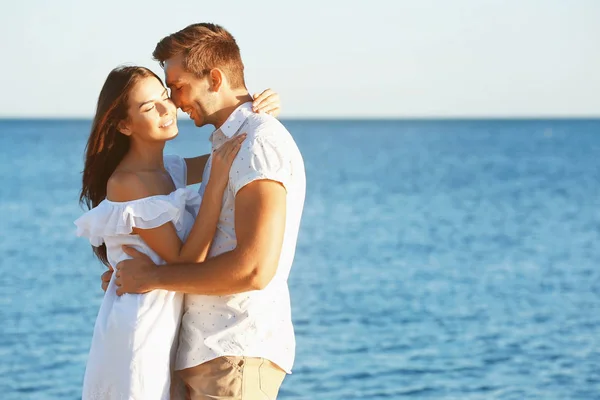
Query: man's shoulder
x: 264, y: 124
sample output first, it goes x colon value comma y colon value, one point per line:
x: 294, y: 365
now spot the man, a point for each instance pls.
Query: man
x: 236, y: 338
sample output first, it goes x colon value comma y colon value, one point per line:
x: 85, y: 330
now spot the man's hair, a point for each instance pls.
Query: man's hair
x: 203, y: 47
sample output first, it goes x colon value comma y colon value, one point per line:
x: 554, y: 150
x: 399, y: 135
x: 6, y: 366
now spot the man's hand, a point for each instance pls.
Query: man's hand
x: 136, y: 274
x: 267, y: 102
x: 105, y: 278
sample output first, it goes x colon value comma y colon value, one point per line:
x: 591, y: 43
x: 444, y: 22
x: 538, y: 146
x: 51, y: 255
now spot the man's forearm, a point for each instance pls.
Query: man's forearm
x: 228, y: 273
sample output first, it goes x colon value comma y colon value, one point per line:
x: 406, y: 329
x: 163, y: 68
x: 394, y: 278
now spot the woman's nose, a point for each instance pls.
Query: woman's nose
x: 163, y: 108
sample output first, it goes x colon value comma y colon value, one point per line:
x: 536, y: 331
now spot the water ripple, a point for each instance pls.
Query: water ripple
x: 436, y: 260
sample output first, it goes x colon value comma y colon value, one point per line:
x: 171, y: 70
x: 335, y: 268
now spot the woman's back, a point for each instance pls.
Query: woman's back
x: 134, y: 335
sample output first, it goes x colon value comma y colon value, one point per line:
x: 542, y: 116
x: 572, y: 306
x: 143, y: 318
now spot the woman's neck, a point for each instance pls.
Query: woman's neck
x: 143, y: 155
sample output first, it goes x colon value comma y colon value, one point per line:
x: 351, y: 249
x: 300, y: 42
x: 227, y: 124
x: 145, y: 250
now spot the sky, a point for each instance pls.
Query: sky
x: 327, y: 58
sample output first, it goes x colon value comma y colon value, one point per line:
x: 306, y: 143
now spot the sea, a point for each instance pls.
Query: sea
x: 437, y: 259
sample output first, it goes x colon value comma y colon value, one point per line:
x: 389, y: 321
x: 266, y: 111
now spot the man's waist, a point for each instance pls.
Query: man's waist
x: 236, y: 306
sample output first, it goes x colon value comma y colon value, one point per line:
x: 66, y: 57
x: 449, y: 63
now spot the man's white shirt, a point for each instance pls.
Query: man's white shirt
x: 256, y: 323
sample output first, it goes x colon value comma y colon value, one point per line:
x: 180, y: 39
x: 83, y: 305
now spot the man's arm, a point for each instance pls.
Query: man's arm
x: 260, y: 213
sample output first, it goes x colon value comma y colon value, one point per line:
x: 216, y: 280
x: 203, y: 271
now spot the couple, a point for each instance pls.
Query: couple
x: 198, y: 306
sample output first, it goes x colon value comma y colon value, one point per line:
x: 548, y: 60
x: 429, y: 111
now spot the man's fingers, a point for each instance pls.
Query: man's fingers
x: 119, y: 292
x: 130, y: 251
x: 105, y: 277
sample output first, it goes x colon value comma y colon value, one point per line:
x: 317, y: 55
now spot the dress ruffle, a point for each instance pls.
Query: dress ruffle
x: 119, y: 218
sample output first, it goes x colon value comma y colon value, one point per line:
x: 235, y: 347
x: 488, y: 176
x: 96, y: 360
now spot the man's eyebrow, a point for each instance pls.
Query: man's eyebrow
x: 151, y: 101
x: 171, y: 83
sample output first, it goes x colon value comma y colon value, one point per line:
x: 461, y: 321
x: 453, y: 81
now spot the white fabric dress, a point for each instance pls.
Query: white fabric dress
x: 133, y: 347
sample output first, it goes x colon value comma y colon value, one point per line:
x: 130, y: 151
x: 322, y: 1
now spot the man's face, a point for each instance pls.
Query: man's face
x: 190, y: 93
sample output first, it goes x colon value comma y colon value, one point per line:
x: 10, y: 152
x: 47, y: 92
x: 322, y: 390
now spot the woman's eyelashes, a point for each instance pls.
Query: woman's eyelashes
x: 165, y: 98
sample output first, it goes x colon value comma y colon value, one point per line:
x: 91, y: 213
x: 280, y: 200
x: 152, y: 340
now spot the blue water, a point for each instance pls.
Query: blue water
x: 436, y: 260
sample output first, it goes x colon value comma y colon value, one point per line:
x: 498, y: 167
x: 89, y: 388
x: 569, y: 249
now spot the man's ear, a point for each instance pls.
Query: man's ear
x: 217, y: 79
x: 123, y: 127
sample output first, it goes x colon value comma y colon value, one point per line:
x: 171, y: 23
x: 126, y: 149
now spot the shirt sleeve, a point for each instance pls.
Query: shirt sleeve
x: 260, y: 158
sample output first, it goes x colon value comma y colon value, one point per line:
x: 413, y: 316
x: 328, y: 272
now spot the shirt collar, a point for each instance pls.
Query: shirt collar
x: 235, y: 120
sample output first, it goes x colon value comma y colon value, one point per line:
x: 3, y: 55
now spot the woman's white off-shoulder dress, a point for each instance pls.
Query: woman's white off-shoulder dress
x: 135, y: 336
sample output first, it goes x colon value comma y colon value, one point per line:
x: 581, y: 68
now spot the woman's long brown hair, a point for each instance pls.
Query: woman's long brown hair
x: 106, y: 146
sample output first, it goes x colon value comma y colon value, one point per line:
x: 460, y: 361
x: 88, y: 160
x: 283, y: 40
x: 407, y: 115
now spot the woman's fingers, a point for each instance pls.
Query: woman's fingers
x: 222, y: 159
x: 235, y: 141
x: 260, y: 97
x: 232, y: 146
x: 233, y: 151
x: 267, y: 102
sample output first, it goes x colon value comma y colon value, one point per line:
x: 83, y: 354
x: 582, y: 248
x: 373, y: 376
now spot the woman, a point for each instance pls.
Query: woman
x: 138, y: 197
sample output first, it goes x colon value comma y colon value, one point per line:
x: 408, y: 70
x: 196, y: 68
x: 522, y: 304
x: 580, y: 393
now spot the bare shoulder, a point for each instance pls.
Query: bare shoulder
x: 126, y: 186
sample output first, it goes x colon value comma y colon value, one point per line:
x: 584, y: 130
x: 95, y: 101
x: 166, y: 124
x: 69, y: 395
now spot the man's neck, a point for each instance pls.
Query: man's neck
x: 230, y: 106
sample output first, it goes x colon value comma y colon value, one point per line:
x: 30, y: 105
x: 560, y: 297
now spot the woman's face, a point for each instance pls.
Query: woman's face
x: 152, y: 116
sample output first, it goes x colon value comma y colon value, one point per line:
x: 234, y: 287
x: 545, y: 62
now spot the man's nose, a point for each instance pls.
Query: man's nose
x: 175, y: 99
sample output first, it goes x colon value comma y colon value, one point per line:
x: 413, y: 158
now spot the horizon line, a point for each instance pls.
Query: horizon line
x: 354, y: 118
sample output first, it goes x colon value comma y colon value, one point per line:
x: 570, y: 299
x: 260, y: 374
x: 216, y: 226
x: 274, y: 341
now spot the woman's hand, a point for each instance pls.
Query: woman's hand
x: 267, y: 102
x: 222, y: 159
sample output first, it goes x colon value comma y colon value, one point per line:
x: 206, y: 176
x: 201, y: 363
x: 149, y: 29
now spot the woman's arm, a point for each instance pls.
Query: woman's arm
x: 165, y: 242
x: 163, y: 239
x: 267, y: 102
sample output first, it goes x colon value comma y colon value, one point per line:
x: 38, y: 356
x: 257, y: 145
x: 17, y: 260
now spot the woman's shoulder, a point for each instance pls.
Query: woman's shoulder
x: 125, y: 186
x: 114, y: 218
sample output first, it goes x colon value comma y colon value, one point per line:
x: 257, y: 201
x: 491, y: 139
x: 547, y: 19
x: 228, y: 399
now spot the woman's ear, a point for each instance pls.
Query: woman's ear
x: 123, y: 127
